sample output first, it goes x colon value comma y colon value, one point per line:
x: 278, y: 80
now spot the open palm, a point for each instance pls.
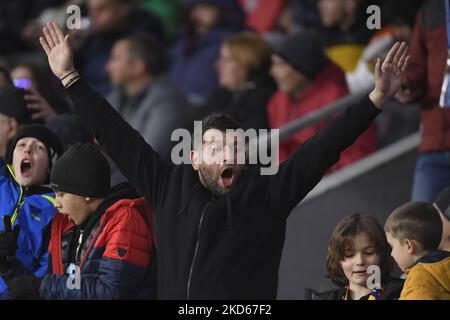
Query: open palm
x: 56, y: 46
x: 389, y: 74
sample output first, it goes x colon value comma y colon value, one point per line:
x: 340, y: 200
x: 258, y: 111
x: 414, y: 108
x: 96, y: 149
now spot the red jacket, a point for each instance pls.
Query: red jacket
x: 428, y: 51
x: 329, y: 86
x: 115, y: 257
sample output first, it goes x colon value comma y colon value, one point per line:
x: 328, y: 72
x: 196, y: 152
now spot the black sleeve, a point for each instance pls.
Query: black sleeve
x: 303, y: 170
x: 137, y: 160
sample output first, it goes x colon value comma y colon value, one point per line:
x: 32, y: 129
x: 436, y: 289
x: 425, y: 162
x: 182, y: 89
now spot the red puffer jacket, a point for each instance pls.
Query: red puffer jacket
x: 329, y: 86
x: 114, y: 251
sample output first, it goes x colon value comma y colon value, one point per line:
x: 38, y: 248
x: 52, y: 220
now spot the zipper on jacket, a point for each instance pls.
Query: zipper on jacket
x: 80, y: 241
x: 191, y: 270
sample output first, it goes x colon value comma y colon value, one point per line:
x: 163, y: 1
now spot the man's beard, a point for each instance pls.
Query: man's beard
x: 210, y: 179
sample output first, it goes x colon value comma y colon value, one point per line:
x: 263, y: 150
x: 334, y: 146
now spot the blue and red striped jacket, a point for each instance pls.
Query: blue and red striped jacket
x: 114, y: 251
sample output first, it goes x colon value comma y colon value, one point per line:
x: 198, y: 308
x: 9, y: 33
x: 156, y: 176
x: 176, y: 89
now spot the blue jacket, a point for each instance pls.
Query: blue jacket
x: 34, y: 215
x: 193, y: 64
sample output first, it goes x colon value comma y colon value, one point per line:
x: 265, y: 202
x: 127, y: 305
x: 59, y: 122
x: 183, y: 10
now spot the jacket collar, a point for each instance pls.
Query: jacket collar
x: 433, y: 256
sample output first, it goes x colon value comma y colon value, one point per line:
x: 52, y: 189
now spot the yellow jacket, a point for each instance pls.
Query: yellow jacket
x: 429, y: 278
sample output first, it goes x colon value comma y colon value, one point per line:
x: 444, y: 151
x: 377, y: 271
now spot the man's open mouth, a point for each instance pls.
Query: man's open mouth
x: 227, y: 177
x: 25, y: 167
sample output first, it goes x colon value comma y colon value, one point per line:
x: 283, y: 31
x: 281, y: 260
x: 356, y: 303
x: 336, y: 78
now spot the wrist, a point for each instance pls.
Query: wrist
x: 70, y: 78
x: 378, y: 98
x: 67, y: 74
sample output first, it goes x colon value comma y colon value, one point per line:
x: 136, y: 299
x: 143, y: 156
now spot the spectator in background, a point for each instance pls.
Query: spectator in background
x: 170, y: 13
x: 344, y: 32
x: 400, y: 15
x: 26, y: 203
x: 43, y: 100
x: 245, y: 83
x: 308, y: 81
x: 110, y: 20
x: 414, y: 231
x: 144, y: 94
x: 296, y: 15
x: 423, y: 83
x: 197, y: 50
x: 442, y: 204
x: 13, y: 114
x: 358, y: 242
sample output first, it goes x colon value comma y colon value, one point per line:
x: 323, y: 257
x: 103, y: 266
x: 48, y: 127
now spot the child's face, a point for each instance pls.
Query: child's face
x: 362, y: 254
x: 30, y: 162
x: 400, y: 252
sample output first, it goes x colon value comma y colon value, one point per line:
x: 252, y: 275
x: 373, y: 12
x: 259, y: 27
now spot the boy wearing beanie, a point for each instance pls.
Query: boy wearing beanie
x: 26, y: 205
x: 101, y: 241
x: 414, y: 232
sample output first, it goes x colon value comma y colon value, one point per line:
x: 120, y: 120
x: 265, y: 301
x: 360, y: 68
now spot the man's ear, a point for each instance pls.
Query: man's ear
x: 195, y: 160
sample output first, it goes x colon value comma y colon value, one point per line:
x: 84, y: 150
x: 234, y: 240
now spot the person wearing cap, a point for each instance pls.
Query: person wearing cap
x: 442, y: 204
x: 307, y: 81
x: 102, y: 232
x: 220, y: 225
x: 26, y: 204
x: 13, y: 113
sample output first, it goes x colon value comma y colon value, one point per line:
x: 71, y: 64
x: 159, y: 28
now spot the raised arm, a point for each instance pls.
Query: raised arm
x: 306, y: 166
x: 134, y: 157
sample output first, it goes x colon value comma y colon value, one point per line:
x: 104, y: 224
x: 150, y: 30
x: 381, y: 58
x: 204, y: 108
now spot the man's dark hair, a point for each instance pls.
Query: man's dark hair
x: 147, y: 48
x: 419, y: 221
x: 220, y: 122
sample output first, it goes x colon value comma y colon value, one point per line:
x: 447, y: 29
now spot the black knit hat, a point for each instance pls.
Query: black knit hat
x: 443, y: 202
x: 13, y: 104
x: 82, y: 170
x: 43, y: 134
x: 304, y: 52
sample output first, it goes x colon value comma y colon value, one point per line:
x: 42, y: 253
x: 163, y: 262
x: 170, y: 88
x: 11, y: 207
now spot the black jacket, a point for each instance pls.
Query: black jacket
x: 391, y: 291
x: 226, y: 247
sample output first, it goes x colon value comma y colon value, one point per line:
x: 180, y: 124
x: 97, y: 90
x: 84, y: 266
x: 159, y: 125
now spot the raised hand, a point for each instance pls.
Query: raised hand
x: 389, y: 74
x: 59, y: 53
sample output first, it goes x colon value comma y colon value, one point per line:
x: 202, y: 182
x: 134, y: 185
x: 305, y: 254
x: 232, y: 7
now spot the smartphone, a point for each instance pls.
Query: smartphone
x: 22, y: 83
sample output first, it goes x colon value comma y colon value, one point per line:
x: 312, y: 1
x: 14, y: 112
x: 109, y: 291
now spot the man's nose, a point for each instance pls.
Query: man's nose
x: 228, y: 155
